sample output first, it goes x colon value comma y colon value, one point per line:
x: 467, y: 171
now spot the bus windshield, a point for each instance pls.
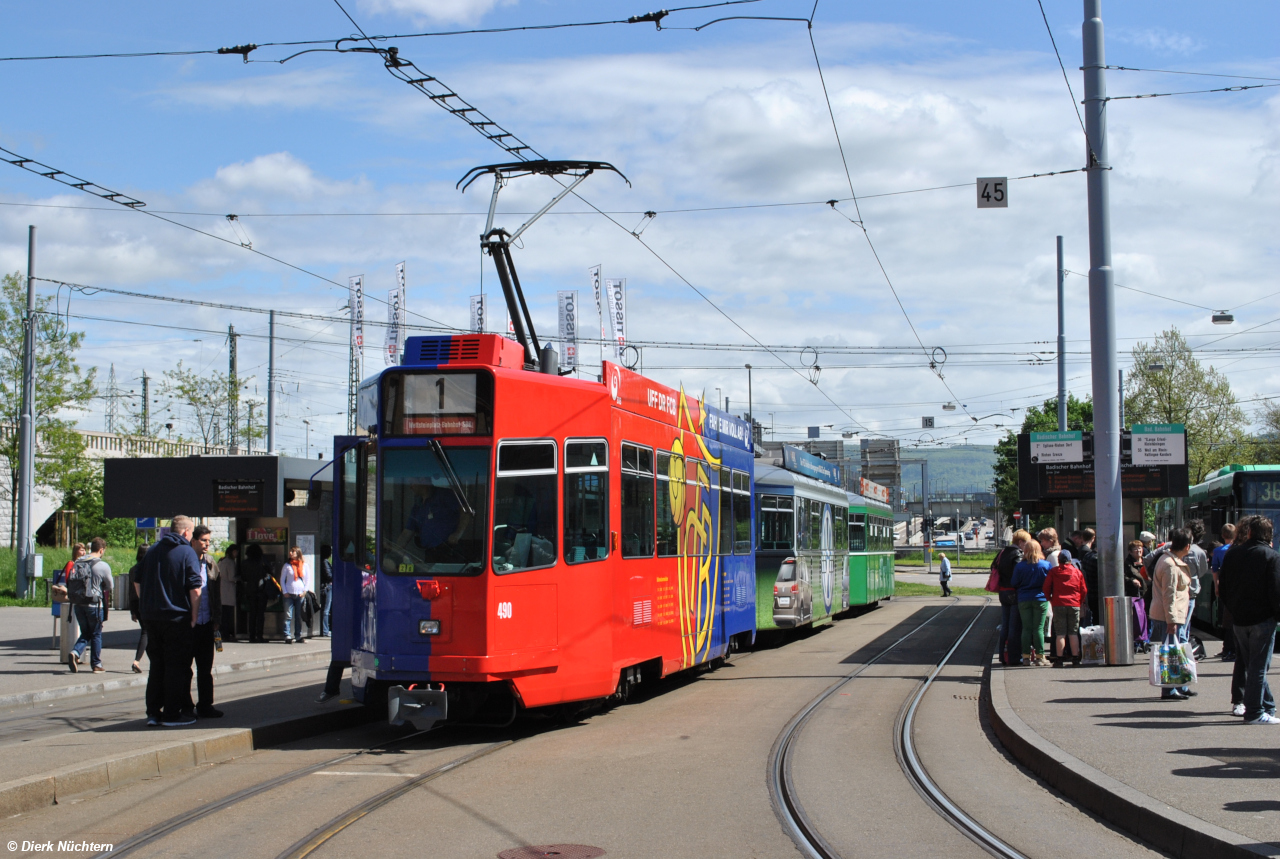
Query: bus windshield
x: 425, y: 530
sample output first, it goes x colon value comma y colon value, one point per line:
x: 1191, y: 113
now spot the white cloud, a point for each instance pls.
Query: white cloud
x: 435, y: 11
x: 1156, y: 39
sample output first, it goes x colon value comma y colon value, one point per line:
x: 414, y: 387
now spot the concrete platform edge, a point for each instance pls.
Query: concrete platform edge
x: 41, y: 695
x: 28, y: 794
x: 1169, y: 829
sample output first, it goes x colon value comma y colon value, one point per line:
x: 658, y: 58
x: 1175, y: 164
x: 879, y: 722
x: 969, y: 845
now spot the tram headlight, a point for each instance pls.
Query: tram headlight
x: 428, y: 627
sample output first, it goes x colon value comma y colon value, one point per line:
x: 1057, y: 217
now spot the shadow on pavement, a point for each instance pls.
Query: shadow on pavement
x: 1234, y: 763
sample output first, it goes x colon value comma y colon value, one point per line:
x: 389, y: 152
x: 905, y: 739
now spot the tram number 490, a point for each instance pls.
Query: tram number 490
x: 993, y: 192
x: 504, y: 610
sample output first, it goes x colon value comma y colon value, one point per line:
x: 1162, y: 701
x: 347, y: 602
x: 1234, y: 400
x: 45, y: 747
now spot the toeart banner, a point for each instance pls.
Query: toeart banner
x: 616, y: 296
x: 568, y: 307
x: 395, y: 317
x: 477, y: 313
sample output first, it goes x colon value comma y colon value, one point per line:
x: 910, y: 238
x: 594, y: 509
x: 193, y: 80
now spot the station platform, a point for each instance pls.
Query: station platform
x: 65, y: 734
x: 1185, y: 776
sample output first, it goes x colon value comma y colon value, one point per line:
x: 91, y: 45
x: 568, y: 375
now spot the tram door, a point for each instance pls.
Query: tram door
x: 353, y: 458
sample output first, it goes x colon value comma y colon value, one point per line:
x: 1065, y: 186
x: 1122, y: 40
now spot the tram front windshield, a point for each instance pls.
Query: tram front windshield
x: 425, y: 529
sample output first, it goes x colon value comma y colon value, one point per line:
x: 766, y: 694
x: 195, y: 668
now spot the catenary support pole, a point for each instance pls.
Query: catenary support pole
x: 26, y: 422
x: 1108, y: 497
x: 233, y: 393
x: 271, y: 382
x: 1062, y: 347
x: 924, y: 515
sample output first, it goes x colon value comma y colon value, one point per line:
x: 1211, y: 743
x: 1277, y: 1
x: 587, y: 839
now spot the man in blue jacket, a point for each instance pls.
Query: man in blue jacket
x: 168, y: 603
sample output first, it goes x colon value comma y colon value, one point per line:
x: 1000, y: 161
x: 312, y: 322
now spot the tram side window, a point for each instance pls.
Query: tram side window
x: 815, y: 525
x: 670, y: 499
x: 857, y: 532
x: 841, y: 529
x: 741, y: 513
x: 802, y: 524
x: 777, y: 523
x: 370, y: 549
x: 349, y: 537
x: 723, y: 477
x: 586, y: 500
x: 524, y: 506
x: 637, y: 501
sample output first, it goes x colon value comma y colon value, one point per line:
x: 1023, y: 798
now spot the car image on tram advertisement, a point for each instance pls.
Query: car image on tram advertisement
x: 511, y: 539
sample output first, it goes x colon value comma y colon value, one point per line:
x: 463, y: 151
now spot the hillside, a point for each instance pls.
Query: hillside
x: 963, y: 468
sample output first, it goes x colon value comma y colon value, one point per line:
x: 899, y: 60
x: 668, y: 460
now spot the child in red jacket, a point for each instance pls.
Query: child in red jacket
x: 1065, y: 589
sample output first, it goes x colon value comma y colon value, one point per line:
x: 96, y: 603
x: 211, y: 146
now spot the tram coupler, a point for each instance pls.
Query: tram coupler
x: 423, y: 708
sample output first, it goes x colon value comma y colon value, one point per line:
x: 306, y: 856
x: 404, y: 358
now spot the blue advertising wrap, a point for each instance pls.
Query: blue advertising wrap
x: 794, y: 459
x: 726, y: 429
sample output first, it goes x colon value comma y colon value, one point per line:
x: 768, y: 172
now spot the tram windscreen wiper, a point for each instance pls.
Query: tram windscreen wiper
x: 454, y: 483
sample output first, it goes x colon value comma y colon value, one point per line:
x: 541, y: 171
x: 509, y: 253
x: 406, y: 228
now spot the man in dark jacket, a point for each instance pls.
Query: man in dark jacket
x: 169, y: 600
x: 1088, y: 557
x: 1250, y: 588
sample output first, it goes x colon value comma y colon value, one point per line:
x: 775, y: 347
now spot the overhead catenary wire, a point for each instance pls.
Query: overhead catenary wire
x: 136, y: 205
x: 1061, y: 65
x: 248, y: 47
x: 1239, y: 88
x: 1197, y: 74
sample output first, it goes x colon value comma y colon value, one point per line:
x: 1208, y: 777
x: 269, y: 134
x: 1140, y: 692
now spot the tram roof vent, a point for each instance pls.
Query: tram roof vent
x: 463, y: 349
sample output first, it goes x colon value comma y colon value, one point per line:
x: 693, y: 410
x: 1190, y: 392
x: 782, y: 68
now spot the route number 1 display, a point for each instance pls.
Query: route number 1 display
x: 993, y: 192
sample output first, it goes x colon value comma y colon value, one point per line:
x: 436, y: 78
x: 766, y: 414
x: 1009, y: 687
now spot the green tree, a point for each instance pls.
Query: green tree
x: 1183, y: 391
x: 1037, y: 419
x: 61, y: 386
x: 205, y: 398
x: 84, y: 489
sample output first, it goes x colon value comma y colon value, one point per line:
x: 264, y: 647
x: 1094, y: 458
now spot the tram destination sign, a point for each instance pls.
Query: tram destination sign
x: 1049, y: 470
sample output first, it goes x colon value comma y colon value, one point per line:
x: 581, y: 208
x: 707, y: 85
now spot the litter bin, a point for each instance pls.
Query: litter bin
x: 1117, y: 625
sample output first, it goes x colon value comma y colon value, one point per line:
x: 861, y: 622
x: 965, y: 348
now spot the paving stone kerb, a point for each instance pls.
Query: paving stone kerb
x: 31, y: 793
x: 36, y: 696
x: 1170, y: 829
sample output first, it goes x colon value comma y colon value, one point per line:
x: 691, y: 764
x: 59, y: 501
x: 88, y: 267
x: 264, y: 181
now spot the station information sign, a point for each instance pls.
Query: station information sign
x: 237, y: 498
x: 1059, y: 466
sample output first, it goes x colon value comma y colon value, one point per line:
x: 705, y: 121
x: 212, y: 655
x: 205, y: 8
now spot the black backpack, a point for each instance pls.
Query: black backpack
x: 84, y: 585
x: 1005, y: 562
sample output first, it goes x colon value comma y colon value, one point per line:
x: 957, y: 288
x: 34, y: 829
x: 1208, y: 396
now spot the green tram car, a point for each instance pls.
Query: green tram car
x: 819, y: 549
x: 1226, y: 495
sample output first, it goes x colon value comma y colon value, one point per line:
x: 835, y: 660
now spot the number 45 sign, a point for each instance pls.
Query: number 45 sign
x: 993, y: 192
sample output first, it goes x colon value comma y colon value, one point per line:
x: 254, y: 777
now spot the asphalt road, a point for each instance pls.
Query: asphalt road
x: 680, y: 772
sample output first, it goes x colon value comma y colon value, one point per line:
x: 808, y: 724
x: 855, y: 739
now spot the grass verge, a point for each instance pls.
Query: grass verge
x: 914, y: 589
x: 120, y: 560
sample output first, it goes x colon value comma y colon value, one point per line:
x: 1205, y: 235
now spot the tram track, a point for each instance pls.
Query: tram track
x: 803, y: 832
x: 160, y: 830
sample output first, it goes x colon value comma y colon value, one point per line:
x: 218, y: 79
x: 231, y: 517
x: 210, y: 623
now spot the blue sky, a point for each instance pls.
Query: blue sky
x: 925, y: 94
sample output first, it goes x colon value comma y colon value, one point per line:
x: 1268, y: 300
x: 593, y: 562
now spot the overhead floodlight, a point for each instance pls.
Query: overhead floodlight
x: 948, y: 407
x: 1155, y: 367
x: 1223, y: 318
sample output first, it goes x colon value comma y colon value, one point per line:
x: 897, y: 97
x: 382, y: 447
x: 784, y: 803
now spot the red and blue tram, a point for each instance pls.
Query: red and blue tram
x: 508, y: 539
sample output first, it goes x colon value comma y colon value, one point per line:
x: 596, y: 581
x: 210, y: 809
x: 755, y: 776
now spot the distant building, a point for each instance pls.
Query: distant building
x: 881, y: 463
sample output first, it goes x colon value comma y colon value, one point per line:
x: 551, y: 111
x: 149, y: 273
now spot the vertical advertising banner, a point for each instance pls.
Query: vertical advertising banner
x: 616, y: 295
x: 477, y: 314
x: 594, y: 271
x: 356, y: 305
x: 395, y: 317
x: 568, y: 302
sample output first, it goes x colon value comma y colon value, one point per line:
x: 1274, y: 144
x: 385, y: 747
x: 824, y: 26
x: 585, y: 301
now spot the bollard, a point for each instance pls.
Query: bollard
x: 1117, y: 625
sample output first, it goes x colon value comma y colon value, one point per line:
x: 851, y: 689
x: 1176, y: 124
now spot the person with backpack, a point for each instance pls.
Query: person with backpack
x: 1064, y: 587
x: 1010, y: 620
x: 170, y: 598
x: 89, y: 592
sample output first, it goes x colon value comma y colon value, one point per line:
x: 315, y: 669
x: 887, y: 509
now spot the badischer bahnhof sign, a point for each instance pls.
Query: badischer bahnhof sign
x: 1059, y: 466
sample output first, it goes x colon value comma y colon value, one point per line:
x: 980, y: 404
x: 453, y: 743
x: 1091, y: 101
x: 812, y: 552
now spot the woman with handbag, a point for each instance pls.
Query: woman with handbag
x: 293, y: 584
x: 1134, y: 584
x: 1010, y: 622
x: 1028, y: 578
x: 1170, y: 600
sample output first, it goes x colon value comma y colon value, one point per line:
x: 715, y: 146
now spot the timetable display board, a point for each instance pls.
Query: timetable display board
x: 1153, y: 464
